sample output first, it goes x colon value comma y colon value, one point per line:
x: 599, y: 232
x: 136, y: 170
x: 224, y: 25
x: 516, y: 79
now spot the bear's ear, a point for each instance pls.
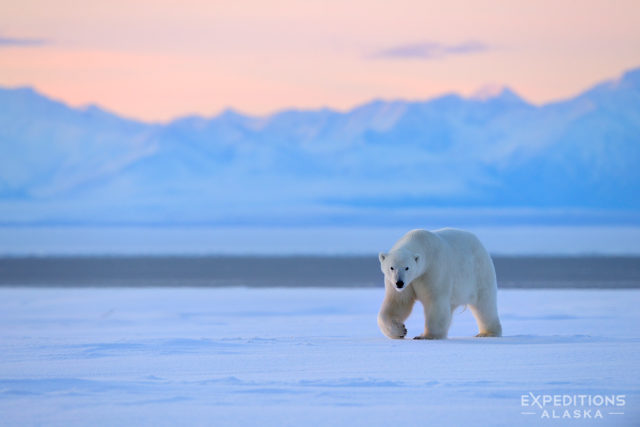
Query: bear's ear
x: 416, y: 258
x: 381, y: 256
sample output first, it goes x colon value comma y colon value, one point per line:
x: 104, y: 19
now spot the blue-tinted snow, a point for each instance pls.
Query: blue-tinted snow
x: 237, y: 356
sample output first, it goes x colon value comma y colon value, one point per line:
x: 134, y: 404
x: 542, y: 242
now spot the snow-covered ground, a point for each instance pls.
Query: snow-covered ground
x: 237, y: 356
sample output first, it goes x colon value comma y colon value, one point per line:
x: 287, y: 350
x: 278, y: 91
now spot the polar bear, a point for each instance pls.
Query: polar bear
x: 443, y: 269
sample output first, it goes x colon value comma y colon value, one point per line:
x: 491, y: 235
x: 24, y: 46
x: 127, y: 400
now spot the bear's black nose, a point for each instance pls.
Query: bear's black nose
x: 399, y: 284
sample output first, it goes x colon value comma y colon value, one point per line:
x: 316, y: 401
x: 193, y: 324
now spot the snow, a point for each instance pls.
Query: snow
x: 277, y: 356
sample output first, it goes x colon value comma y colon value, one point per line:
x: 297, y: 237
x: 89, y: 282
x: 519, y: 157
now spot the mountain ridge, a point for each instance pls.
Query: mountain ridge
x: 381, y: 161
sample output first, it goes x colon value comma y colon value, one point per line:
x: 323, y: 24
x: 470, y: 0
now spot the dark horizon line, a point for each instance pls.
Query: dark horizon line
x: 301, y: 272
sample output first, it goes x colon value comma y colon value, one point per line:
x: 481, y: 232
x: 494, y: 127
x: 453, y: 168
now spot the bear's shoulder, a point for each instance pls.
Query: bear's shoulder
x: 455, y: 233
x: 416, y: 240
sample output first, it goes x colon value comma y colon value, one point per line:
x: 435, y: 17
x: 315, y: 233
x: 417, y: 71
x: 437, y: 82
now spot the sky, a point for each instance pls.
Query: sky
x: 156, y: 60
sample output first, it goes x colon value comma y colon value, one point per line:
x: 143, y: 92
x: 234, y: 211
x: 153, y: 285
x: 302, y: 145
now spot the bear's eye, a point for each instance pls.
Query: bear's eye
x: 406, y: 268
x: 391, y: 269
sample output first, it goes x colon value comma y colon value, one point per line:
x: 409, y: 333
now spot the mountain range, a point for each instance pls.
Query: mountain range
x: 490, y: 159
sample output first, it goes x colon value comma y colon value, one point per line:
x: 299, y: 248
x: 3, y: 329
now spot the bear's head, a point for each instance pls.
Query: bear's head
x: 400, y: 268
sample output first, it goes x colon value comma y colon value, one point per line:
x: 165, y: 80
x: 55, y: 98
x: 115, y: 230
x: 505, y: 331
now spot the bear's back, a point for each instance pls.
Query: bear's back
x: 414, y: 240
x: 463, y: 242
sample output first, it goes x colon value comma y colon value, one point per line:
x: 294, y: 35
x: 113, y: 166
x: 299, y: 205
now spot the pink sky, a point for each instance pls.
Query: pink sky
x: 156, y: 60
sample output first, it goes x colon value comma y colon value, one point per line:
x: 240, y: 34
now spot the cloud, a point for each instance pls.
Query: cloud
x: 430, y: 50
x: 24, y: 42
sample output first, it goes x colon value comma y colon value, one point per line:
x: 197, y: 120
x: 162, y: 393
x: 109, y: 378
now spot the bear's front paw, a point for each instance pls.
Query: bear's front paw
x: 487, y: 334
x: 404, y: 331
x: 392, y: 328
x: 398, y: 330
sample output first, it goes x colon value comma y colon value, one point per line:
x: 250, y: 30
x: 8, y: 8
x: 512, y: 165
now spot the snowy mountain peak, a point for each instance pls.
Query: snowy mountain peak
x: 17, y: 91
x: 231, y: 115
x: 632, y: 78
x: 498, y: 93
x: 317, y: 166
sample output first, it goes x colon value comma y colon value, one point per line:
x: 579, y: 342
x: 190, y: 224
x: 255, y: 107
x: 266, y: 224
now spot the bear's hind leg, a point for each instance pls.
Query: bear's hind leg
x: 486, y: 313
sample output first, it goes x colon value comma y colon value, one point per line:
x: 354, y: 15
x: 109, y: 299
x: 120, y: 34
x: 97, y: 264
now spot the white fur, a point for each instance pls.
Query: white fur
x: 442, y: 269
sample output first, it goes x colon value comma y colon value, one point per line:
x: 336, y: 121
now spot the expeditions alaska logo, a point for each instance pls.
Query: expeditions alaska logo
x: 573, y: 406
